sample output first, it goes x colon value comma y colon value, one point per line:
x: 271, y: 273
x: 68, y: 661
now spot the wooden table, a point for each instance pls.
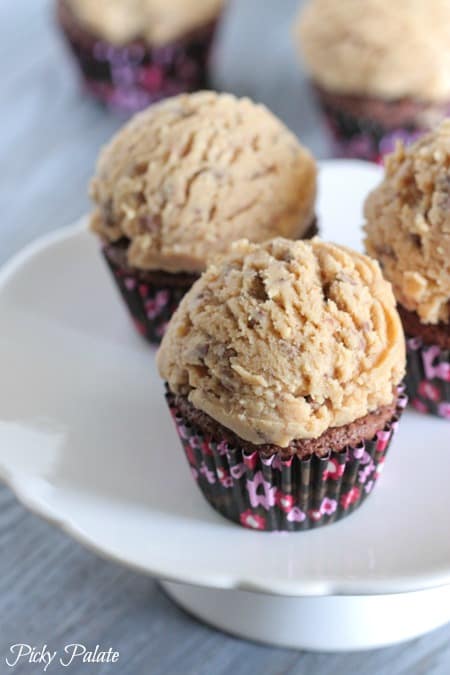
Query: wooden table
x: 51, y: 589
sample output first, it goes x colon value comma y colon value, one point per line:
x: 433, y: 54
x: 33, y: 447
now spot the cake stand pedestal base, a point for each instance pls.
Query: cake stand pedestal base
x: 329, y: 623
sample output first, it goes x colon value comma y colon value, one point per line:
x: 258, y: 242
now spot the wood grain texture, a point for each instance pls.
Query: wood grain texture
x: 51, y: 589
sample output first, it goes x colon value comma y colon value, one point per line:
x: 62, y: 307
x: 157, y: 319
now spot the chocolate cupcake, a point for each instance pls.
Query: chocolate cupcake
x: 132, y: 53
x: 283, y: 365
x: 380, y: 69
x: 184, y: 179
x: 408, y: 231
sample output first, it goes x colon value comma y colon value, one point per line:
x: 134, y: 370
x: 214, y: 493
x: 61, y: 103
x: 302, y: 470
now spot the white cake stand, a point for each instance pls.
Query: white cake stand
x: 86, y: 442
x: 330, y: 623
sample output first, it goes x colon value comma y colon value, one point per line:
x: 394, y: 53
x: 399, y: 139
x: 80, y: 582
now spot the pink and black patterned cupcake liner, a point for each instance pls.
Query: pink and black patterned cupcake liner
x: 356, y: 138
x: 151, y: 305
x: 276, y: 493
x: 129, y: 78
x: 428, y: 377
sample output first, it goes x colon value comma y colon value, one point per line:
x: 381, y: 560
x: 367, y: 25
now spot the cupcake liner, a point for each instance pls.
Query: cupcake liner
x: 361, y: 138
x: 151, y: 305
x: 131, y: 77
x: 276, y: 493
x: 428, y: 377
x: 356, y: 136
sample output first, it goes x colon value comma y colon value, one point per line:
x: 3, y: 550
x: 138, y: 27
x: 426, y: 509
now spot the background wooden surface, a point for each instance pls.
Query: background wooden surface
x: 51, y: 589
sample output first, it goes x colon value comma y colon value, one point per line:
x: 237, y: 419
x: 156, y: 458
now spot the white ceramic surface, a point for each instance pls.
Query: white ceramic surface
x: 86, y: 441
x: 326, y: 624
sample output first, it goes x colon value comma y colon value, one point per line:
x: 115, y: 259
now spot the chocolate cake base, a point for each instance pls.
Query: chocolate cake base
x: 312, y: 230
x: 368, y: 127
x: 130, y: 77
x: 334, y: 439
x: 117, y: 254
x: 430, y: 334
x: 267, y: 488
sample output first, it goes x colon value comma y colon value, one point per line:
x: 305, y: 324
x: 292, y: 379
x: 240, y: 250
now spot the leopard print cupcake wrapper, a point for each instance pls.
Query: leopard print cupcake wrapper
x: 276, y: 493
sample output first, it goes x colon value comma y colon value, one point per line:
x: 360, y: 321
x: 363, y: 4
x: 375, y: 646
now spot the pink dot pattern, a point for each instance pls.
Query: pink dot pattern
x: 428, y: 378
x: 276, y: 493
x: 129, y: 78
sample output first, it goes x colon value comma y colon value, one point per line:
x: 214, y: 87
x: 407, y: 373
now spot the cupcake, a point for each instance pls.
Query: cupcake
x: 408, y: 231
x: 381, y: 69
x: 184, y: 179
x: 283, y: 365
x: 134, y: 52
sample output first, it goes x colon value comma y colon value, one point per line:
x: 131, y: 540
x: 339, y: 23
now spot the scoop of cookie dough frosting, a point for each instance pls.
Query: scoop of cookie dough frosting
x: 382, y: 48
x: 408, y: 225
x: 284, y: 340
x: 155, y: 21
x: 190, y: 175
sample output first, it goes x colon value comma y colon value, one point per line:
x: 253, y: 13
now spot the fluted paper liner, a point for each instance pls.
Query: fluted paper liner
x: 283, y: 493
x: 151, y: 306
x: 360, y: 137
x: 428, y: 377
x: 130, y: 77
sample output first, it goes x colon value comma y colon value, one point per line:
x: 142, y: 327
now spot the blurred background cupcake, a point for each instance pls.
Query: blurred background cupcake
x: 134, y: 52
x: 380, y: 69
x: 408, y: 231
x: 282, y: 364
x: 182, y: 181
